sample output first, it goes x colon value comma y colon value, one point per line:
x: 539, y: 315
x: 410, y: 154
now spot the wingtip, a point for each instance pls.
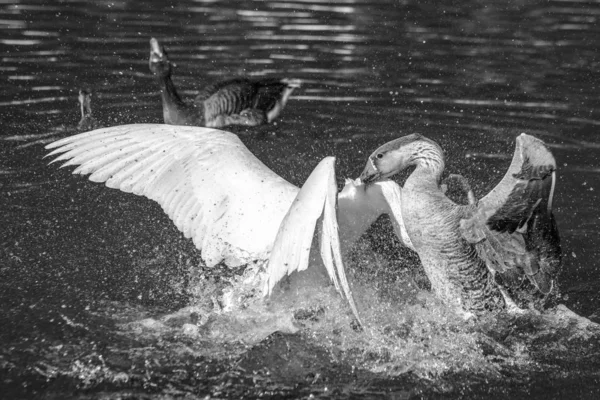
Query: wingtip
x: 525, y: 138
x: 52, y: 161
x: 327, y: 163
x: 536, y: 149
x: 55, y: 146
x: 54, y: 153
x: 329, y: 159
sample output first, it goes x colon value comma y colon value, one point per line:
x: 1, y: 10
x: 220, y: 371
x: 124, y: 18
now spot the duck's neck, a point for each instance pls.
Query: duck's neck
x: 86, y: 110
x: 429, y: 166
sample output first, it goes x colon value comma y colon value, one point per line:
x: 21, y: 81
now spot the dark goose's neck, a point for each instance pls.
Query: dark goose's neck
x: 168, y: 90
x: 428, y: 159
x: 174, y: 108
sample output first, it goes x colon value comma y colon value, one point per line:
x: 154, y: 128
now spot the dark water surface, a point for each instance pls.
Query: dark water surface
x: 79, y: 264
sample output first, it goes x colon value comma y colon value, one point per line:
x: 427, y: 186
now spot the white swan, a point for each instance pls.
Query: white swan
x: 234, y: 208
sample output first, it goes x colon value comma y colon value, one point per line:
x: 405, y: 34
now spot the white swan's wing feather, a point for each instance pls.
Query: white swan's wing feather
x: 358, y: 206
x: 291, y: 251
x: 207, y: 181
x: 331, y: 251
x: 330, y: 240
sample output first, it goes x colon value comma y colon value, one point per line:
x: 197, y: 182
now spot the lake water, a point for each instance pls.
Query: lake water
x: 82, y: 265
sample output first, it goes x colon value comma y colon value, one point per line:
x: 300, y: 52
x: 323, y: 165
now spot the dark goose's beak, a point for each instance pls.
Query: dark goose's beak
x: 370, y: 174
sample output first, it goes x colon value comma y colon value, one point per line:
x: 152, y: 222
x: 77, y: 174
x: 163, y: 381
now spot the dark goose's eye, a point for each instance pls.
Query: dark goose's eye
x: 380, y: 155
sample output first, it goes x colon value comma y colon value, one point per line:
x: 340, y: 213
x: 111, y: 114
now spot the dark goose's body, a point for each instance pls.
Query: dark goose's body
x: 455, y: 271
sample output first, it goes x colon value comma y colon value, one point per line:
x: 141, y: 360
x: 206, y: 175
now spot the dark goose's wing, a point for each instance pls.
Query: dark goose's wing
x: 513, y: 225
x: 273, y: 94
x: 268, y: 92
x: 265, y: 97
x: 226, y: 98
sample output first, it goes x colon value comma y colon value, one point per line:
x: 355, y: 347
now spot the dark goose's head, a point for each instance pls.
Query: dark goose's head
x: 397, y: 155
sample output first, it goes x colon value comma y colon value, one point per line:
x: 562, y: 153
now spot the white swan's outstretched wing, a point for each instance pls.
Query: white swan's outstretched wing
x: 234, y: 208
x: 214, y: 189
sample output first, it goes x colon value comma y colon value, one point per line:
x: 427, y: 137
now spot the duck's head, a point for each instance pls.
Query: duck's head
x: 85, y: 101
x: 85, y: 97
x: 397, y: 155
x: 158, y: 62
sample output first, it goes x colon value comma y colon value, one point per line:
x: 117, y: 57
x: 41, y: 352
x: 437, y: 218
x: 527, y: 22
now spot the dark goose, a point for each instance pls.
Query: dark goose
x: 502, y: 252
x: 238, y: 101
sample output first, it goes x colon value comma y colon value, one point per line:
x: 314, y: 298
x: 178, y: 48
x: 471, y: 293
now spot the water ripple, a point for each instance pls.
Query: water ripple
x: 334, y: 98
x: 502, y: 103
x: 312, y: 38
x: 12, y: 24
x: 472, y: 74
x: 40, y: 33
x: 274, y: 14
x: 314, y: 7
x: 315, y: 27
x: 33, y: 101
x: 20, y: 42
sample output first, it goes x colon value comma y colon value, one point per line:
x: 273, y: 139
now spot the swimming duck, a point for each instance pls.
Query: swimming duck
x: 237, y: 101
x: 235, y: 209
x: 499, y: 253
x: 87, y: 121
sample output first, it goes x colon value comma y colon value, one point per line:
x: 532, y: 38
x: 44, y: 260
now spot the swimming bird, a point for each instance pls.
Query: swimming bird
x: 503, y: 251
x: 238, y: 101
x: 235, y: 209
x: 87, y: 121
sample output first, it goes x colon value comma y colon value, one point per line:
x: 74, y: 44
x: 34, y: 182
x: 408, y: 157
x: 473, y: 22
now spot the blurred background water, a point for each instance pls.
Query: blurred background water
x: 76, y: 256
